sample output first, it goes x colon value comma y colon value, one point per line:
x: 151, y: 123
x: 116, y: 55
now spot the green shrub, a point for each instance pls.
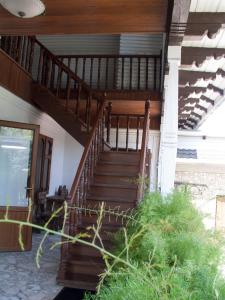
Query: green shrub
x: 174, y: 256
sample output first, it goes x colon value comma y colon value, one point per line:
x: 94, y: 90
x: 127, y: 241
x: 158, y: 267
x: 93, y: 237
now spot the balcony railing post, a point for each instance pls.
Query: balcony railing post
x: 109, y: 111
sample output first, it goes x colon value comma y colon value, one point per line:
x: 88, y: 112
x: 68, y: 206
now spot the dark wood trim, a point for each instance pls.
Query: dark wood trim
x: 194, y: 114
x: 197, y: 55
x: 185, y: 91
x: 179, y: 21
x: 208, y: 100
x: 187, y: 77
x: 204, y: 23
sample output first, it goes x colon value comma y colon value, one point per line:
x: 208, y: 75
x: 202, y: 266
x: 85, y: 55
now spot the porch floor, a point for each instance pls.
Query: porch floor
x: 20, y: 279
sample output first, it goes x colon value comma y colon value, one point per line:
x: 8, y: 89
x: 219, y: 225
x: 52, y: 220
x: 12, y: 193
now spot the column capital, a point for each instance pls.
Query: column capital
x: 174, y: 54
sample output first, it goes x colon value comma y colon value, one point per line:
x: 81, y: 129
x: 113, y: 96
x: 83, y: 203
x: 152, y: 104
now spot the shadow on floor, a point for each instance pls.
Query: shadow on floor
x: 70, y: 294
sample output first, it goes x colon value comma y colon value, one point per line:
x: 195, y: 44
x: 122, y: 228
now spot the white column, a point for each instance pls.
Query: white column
x: 169, y: 124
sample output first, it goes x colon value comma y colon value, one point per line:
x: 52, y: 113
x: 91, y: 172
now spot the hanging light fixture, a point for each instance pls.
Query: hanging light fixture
x: 24, y: 8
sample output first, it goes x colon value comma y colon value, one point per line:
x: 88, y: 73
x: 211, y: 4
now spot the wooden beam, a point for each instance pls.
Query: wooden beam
x: 185, y: 91
x: 186, y: 108
x: 90, y: 17
x: 188, y: 100
x: 197, y: 55
x: 194, y: 114
x: 201, y: 108
x: 179, y: 21
x: 193, y: 121
x: 208, y: 100
x: 215, y: 89
x: 204, y: 23
x: 184, y: 116
x: 187, y: 77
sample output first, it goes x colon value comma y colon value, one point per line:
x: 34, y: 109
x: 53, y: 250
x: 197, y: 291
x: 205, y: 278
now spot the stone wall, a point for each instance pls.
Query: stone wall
x: 206, y: 182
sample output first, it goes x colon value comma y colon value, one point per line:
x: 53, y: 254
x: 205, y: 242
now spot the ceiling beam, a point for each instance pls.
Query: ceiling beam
x: 187, y: 77
x: 202, y: 108
x: 186, y: 108
x: 204, y: 23
x: 208, y: 100
x: 188, y: 100
x: 194, y: 114
x: 193, y: 121
x: 184, y: 116
x: 185, y: 91
x: 90, y: 17
x: 197, y: 55
x: 216, y: 89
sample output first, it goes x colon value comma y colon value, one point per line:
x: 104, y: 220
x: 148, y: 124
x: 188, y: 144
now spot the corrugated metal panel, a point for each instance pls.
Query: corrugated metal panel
x: 108, y: 44
x: 141, y: 44
x: 207, y: 6
x: 81, y: 44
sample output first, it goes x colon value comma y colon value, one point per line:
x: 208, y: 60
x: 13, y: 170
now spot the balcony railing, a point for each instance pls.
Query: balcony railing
x: 117, y: 72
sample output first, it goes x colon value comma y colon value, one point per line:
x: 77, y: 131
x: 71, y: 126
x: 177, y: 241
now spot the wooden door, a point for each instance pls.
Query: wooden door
x: 18, y: 150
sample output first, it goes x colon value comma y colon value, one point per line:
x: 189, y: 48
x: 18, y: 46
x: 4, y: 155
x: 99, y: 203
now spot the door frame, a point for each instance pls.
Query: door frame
x: 23, y: 211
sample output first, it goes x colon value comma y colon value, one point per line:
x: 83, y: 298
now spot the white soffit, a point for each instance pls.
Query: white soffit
x: 207, y: 6
x: 209, y: 65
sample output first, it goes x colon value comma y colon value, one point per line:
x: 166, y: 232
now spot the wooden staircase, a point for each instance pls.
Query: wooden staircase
x: 111, y: 184
x: 109, y: 176
x: 109, y: 172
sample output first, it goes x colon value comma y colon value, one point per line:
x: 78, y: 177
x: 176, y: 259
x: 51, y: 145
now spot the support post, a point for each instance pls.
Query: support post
x: 169, y: 124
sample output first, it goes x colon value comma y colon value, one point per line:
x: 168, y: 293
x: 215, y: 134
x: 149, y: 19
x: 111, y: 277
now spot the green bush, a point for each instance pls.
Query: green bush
x: 174, y: 256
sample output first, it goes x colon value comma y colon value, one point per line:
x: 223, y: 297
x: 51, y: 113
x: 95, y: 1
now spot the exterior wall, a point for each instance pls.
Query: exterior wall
x: 206, y: 181
x: 66, y: 151
x: 209, y: 148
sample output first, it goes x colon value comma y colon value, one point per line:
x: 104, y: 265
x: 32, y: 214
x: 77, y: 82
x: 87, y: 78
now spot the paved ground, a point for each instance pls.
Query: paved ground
x: 20, y: 279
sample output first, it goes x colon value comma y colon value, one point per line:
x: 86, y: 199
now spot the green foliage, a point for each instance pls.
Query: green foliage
x: 174, y: 256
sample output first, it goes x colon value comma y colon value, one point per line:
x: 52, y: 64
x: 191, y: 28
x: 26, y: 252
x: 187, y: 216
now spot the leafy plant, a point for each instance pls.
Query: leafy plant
x: 174, y: 256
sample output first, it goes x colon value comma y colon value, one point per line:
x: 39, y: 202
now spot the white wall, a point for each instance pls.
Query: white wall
x: 209, y: 148
x: 66, y: 151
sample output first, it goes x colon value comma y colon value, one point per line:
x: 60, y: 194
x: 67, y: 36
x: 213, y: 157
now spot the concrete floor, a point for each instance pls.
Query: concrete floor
x: 20, y: 279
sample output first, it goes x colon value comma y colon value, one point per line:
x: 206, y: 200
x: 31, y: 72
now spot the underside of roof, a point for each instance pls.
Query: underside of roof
x: 202, y: 70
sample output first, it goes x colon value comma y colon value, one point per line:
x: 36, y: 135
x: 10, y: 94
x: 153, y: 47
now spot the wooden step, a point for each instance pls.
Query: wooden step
x: 108, y: 199
x: 117, y: 169
x: 115, y: 180
x: 86, y: 265
x: 107, y: 219
x: 121, y: 157
x: 95, y: 203
x: 83, y: 250
x: 79, y: 281
x: 115, y: 191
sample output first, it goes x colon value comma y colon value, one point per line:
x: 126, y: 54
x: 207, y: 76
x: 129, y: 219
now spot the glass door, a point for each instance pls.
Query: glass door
x: 18, y: 147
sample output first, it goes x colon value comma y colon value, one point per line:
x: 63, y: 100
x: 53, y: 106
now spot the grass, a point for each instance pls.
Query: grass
x: 174, y: 256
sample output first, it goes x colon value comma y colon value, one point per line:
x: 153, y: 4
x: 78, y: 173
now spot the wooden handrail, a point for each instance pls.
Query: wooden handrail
x: 48, y: 70
x: 86, y: 153
x: 144, y: 149
x: 110, y: 56
x: 65, y: 68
